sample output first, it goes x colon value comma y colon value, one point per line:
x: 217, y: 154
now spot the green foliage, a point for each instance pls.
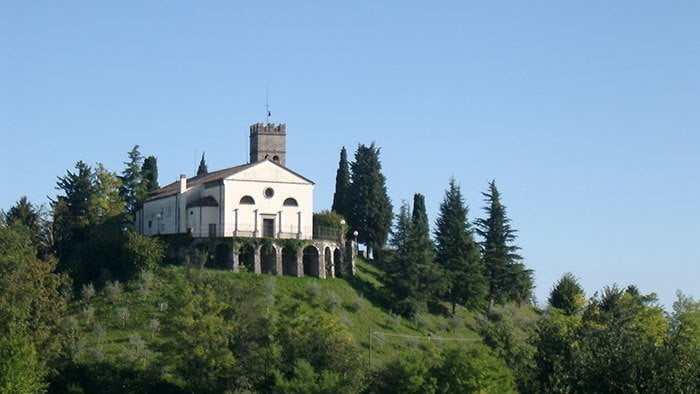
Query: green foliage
x: 149, y: 172
x: 306, y: 380
x: 410, y: 373
x: 402, y: 270
x: 202, y: 169
x: 143, y: 253
x: 133, y: 189
x: 20, y: 369
x: 457, y: 253
x: 371, y: 210
x: 472, y: 370
x: 33, y: 297
x: 508, y: 279
x: 567, y: 295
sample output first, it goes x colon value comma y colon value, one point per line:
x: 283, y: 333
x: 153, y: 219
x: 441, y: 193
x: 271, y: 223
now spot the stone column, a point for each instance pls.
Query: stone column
x: 235, y: 264
x: 278, y: 265
x: 299, y: 225
x: 279, y: 224
x: 256, y: 261
x: 332, y: 273
x: 235, y: 222
x: 300, y: 263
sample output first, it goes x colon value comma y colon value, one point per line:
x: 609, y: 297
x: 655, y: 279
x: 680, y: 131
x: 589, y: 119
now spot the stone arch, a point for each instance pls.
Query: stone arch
x: 338, y: 262
x: 246, y: 258
x: 289, y: 262
x: 222, y: 257
x: 268, y: 259
x: 328, y: 261
x: 312, y: 261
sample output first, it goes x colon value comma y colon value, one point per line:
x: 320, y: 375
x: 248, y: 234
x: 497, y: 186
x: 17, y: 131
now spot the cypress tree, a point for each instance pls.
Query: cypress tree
x: 370, y: 209
x: 202, y: 169
x: 71, y: 211
x: 150, y: 173
x: 567, y: 295
x: 508, y: 278
x: 422, y: 251
x: 133, y: 189
x: 26, y: 214
x: 458, y: 253
x: 342, y: 186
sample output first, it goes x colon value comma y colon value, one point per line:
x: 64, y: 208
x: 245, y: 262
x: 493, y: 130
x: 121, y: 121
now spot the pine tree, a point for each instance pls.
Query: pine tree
x: 202, y: 169
x: 370, y: 209
x: 133, y: 189
x: 509, y: 280
x: 401, y: 269
x: 26, y: 214
x: 458, y: 253
x: 342, y: 186
x: 567, y: 295
x: 149, y: 170
x: 71, y: 211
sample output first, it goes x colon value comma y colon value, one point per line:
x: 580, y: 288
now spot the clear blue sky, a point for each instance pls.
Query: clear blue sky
x: 585, y: 113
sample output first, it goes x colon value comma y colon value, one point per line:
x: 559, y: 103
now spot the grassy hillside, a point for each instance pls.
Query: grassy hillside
x: 135, y: 317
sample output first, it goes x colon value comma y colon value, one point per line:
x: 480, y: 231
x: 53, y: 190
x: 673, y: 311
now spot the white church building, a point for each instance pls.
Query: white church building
x: 259, y: 199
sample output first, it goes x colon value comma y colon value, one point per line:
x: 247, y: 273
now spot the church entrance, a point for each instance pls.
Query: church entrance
x: 269, y: 228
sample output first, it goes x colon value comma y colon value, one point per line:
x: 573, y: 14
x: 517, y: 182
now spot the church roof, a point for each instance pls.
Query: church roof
x: 174, y: 188
x: 207, y: 201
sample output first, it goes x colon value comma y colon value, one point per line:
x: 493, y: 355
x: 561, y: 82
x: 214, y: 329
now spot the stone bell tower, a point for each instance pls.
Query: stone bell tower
x: 268, y: 141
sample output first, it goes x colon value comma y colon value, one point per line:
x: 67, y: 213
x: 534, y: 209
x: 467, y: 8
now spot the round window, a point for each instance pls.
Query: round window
x: 269, y: 192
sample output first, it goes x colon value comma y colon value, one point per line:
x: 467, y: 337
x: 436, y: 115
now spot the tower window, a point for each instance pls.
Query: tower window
x: 275, y: 158
x: 290, y: 202
x: 247, y: 200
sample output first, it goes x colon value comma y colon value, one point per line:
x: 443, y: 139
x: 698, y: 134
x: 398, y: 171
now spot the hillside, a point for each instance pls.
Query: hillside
x: 354, y: 302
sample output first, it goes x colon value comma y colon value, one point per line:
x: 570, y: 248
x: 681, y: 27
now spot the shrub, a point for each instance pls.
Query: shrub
x: 312, y: 290
x: 99, y: 333
x: 122, y: 314
x: 332, y: 301
x: 113, y: 291
x: 88, y: 291
x: 355, y: 305
x: 143, y: 253
x: 88, y: 314
x: 153, y: 327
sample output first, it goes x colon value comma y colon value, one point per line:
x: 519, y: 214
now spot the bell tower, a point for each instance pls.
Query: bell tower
x: 268, y: 141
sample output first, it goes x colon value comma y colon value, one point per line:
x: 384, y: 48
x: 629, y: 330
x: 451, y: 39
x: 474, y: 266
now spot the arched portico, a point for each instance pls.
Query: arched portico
x: 311, y: 261
x: 268, y: 259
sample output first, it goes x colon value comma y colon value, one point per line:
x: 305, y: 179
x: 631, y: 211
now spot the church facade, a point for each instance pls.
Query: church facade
x: 262, y: 199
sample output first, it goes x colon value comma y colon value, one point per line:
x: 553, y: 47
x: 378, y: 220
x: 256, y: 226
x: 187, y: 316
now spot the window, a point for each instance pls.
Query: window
x: 275, y: 158
x: 212, y: 230
x: 149, y: 224
x: 269, y: 192
x: 290, y: 202
x: 247, y: 200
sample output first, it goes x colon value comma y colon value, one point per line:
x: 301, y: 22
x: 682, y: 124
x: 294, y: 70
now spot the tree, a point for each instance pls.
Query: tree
x: 133, y: 189
x: 341, y: 197
x: 26, y: 214
x: 474, y: 370
x: 457, y: 253
x: 149, y: 170
x: 105, y: 201
x: 20, y: 370
x: 402, y: 273
x: 71, y: 211
x: 371, y: 209
x: 202, y: 169
x: 143, y: 253
x: 507, y: 279
x: 431, y: 281
x: 567, y: 295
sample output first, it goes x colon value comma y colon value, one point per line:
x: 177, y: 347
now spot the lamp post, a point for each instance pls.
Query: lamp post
x: 355, y: 234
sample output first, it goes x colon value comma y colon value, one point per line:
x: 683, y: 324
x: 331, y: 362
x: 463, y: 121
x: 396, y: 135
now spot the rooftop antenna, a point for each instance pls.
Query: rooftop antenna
x: 267, y: 105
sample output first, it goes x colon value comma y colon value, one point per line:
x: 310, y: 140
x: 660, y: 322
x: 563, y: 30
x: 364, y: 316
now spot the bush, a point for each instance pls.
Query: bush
x: 332, y: 301
x: 122, y: 314
x: 143, y: 253
x: 312, y: 290
x: 355, y: 305
x: 88, y: 291
x: 113, y: 291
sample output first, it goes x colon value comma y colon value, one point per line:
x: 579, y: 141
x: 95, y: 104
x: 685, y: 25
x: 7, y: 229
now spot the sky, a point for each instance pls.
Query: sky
x: 585, y: 113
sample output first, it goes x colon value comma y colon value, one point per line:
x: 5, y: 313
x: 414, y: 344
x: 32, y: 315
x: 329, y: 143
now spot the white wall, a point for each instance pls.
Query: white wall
x: 167, y: 208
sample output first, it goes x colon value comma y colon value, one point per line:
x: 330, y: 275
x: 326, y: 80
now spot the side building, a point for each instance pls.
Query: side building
x: 262, y: 200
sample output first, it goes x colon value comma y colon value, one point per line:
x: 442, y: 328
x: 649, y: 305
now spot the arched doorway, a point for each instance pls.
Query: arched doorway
x: 246, y: 258
x: 289, y: 261
x: 222, y: 257
x: 328, y: 261
x: 312, y: 266
x: 268, y: 259
x: 338, y: 261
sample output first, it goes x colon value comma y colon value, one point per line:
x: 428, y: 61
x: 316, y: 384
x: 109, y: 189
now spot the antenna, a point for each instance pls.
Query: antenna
x: 267, y: 105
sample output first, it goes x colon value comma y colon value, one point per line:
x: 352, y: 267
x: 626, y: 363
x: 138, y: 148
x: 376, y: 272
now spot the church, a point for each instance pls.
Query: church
x: 261, y: 199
